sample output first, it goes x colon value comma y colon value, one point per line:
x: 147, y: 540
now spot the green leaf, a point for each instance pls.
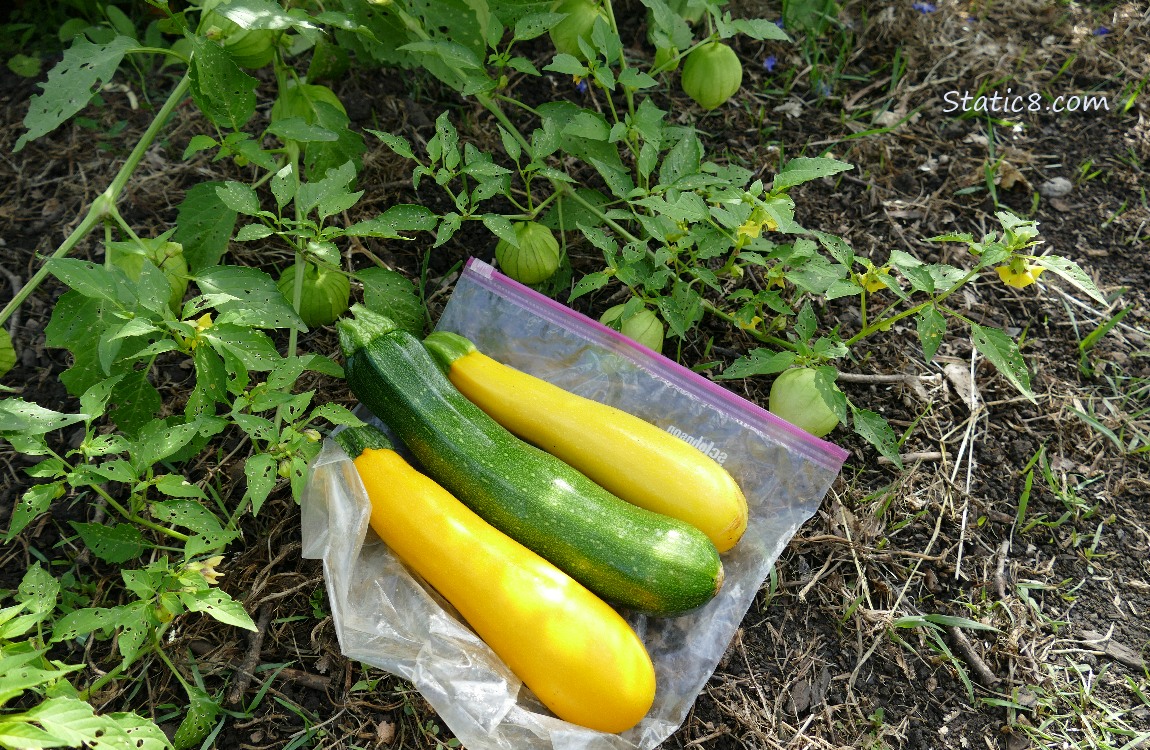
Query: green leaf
x: 320, y: 157
x: 567, y: 65
x: 404, y: 217
x: 25, y: 66
x: 250, y: 347
x: 393, y: 295
x: 17, y: 675
x: 211, y: 382
x: 400, y: 145
x: 683, y: 309
x: 683, y: 160
x: 219, y: 605
x: 589, y: 283
x: 336, y: 414
x: 35, y: 500
x: 160, y: 438
x: 199, y: 143
x: 758, y: 28
x: 284, y: 185
x: 262, y: 14
x: 247, y: 296
x: 1004, y: 354
x: 804, y: 169
x: 931, y: 328
x: 335, y: 182
x: 219, y: 87
x: 252, y: 232
x: 137, y: 401
x: 18, y: 415
x: 239, y: 198
x: 72, y: 722
x: 71, y: 84
x: 114, y: 544
x: 186, y: 513
x: 175, y: 485
x: 260, y: 470
x: 300, y: 130
x: 93, y: 280
x: 38, y: 590
x: 202, y: 713
x: 535, y: 24
x: 203, y: 226
x: 1074, y: 274
x: 758, y: 361
x: 876, y: 431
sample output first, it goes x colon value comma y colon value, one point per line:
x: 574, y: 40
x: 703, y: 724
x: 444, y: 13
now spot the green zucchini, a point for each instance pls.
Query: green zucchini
x: 629, y: 556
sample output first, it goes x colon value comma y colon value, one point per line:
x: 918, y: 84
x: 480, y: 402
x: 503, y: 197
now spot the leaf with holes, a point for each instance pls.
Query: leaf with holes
x: 758, y: 361
x: 71, y: 84
x: 931, y: 328
x: 72, y: 722
x: 114, y: 544
x: 248, y: 297
x: 804, y: 169
x: 260, y: 471
x: 202, y: 713
x: 17, y: 674
x: 137, y: 401
x: 218, y: 604
x: 1004, y: 354
x: 219, y: 87
x: 876, y: 431
x: 203, y: 226
x: 33, y: 502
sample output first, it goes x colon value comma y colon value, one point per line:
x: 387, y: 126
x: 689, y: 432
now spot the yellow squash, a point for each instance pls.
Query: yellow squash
x: 577, y: 654
x: 626, y: 455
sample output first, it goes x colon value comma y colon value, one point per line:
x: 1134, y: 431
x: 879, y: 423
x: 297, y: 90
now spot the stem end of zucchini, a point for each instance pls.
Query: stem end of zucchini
x: 356, y: 440
x: 446, y: 347
x: 355, y: 333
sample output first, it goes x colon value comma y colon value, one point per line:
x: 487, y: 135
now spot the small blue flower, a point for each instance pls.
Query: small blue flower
x: 770, y: 63
x: 779, y: 23
x: 1101, y: 31
x: 925, y: 7
x: 581, y: 85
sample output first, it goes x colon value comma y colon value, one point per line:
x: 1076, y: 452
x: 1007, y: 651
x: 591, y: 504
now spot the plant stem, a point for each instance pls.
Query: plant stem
x: 760, y: 337
x: 129, y: 515
x: 887, y: 322
x: 87, y: 693
x: 104, y: 205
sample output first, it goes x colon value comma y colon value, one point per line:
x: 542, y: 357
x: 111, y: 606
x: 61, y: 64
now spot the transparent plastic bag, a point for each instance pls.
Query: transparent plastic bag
x: 386, y: 618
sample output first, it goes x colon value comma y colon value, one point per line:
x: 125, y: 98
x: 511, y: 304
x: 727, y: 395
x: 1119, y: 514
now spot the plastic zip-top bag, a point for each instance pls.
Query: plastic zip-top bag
x: 386, y: 618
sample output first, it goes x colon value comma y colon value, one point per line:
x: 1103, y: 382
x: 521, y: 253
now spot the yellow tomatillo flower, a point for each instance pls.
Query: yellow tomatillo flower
x: 207, y: 569
x: 1018, y: 273
x: 755, y: 223
x: 872, y: 280
x: 203, y: 323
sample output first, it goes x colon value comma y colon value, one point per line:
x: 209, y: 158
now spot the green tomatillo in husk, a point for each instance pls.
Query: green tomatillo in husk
x: 326, y: 293
x: 712, y: 74
x: 796, y: 398
x: 536, y: 258
x: 578, y: 24
x: 250, y: 48
x: 167, y: 256
x: 644, y: 327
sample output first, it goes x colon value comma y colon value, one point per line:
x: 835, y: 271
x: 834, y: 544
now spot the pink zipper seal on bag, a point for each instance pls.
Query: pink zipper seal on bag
x: 733, y: 405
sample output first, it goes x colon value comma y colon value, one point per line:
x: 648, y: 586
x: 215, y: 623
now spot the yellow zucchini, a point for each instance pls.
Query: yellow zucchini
x: 628, y: 456
x: 576, y: 653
